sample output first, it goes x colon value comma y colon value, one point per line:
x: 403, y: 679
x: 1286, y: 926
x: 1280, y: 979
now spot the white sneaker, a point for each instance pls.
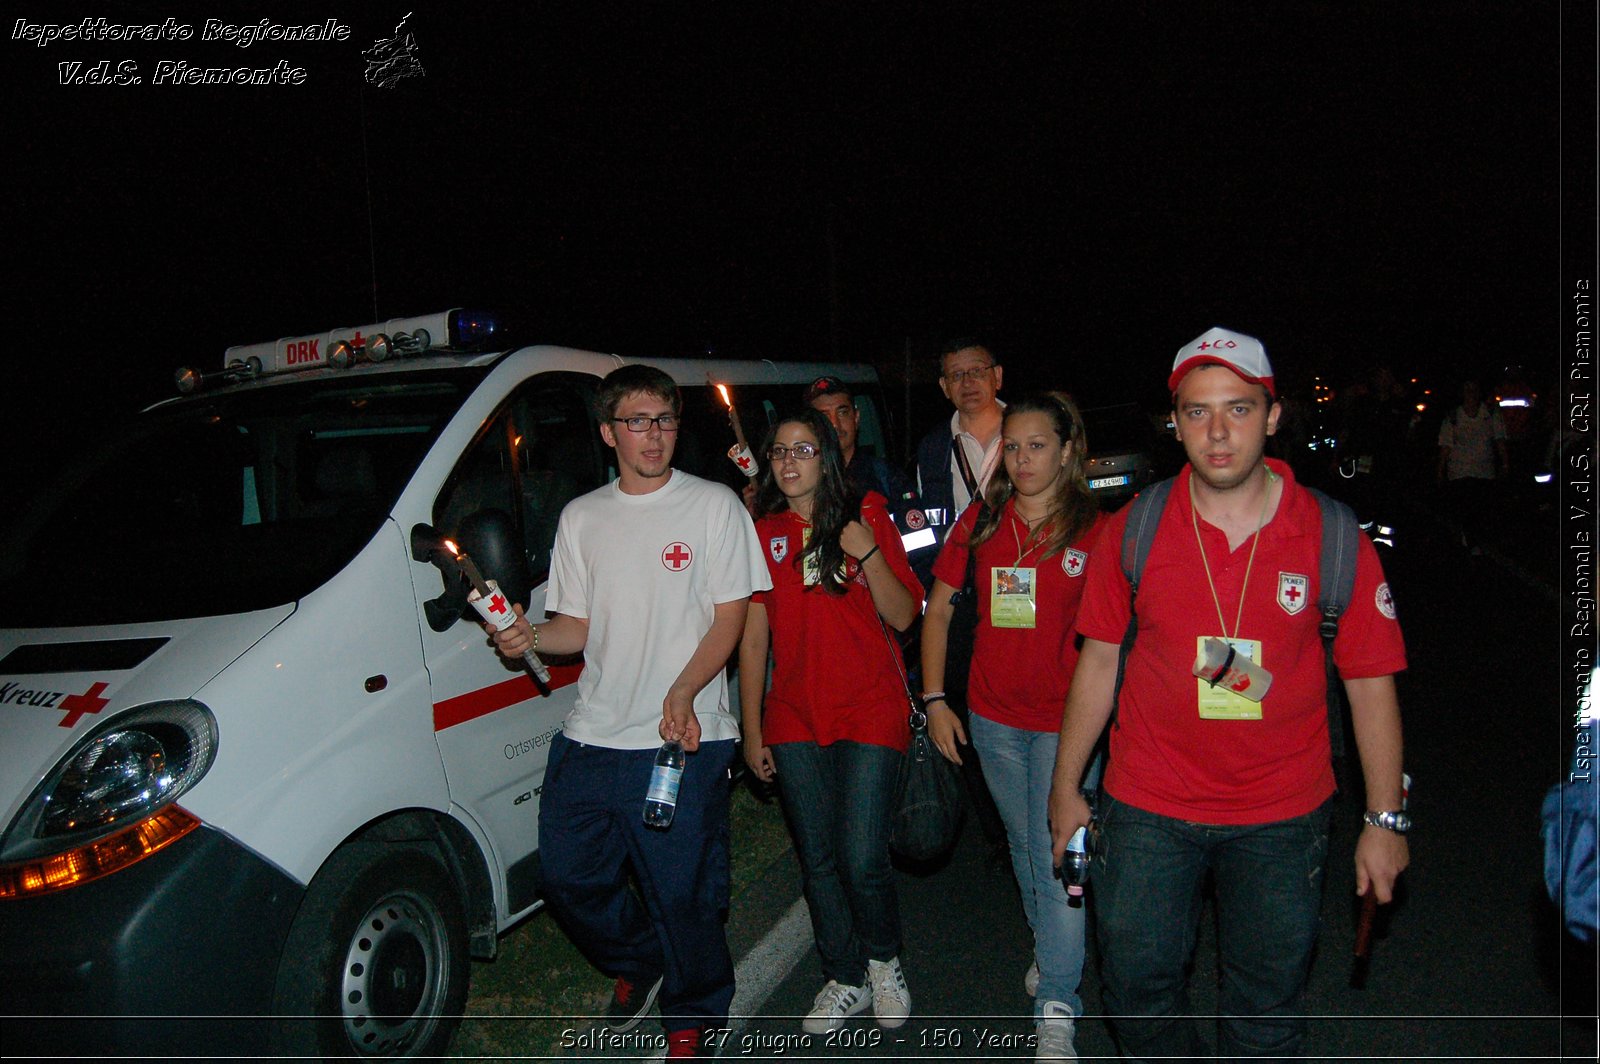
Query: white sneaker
x: 834, y: 1003
x: 1055, y: 1028
x: 891, y: 1001
x: 1030, y: 982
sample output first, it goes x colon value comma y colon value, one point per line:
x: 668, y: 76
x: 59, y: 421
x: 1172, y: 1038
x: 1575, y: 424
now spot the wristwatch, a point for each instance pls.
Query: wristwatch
x: 1399, y: 823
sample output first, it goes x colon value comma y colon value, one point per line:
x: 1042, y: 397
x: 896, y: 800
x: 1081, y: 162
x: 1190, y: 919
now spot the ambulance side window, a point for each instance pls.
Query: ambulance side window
x: 558, y: 459
x: 539, y: 452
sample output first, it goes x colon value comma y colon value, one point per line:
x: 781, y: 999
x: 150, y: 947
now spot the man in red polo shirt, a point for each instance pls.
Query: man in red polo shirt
x: 1201, y: 778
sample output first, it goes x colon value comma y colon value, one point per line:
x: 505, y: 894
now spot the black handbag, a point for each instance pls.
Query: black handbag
x: 963, y: 631
x: 928, y: 809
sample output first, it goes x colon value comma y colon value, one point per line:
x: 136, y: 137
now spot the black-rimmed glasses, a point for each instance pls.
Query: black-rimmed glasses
x: 667, y: 422
x: 802, y: 452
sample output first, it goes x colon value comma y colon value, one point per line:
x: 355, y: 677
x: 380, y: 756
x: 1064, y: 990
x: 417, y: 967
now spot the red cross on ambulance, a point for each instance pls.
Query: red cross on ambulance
x: 76, y: 706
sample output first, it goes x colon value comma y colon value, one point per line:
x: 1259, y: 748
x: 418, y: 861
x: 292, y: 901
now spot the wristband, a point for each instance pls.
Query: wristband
x: 870, y: 553
x: 535, y: 630
x: 930, y: 697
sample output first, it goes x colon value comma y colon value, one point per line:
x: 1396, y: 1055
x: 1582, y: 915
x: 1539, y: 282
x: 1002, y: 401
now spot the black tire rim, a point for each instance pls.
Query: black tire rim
x: 395, y: 974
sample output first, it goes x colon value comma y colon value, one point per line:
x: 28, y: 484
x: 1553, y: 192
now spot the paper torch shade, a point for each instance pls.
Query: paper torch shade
x: 494, y: 608
x: 744, y: 460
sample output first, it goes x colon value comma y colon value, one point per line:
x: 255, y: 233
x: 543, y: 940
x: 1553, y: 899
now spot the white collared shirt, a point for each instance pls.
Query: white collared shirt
x: 984, y: 460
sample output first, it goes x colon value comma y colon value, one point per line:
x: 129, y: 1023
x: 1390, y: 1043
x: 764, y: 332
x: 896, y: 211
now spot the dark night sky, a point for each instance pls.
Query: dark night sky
x: 1088, y: 184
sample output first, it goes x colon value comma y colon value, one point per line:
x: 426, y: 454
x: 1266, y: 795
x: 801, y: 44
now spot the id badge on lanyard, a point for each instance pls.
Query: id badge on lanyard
x: 1220, y: 703
x: 1012, y: 597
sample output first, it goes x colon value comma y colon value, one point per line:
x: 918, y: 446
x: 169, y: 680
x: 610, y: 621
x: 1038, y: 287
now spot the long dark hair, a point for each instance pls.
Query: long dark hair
x: 835, y: 504
x: 1073, y: 510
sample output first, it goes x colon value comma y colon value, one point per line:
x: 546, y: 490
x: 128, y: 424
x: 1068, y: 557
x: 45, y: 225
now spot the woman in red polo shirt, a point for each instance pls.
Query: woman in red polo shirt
x: 832, y: 728
x: 1032, y: 538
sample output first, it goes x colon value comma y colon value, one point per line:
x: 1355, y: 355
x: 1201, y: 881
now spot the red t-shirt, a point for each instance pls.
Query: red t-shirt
x: 834, y: 673
x: 1020, y: 676
x: 1164, y: 757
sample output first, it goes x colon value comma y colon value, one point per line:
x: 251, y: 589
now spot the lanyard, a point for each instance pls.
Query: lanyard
x: 1194, y: 516
x: 1023, y: 552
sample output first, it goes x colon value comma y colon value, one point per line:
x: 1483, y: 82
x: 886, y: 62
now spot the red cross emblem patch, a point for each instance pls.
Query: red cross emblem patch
x: 1385, y: 599
x: 1073, y: 561
x: 677, y: 556
x: 1293, y: 591
x: 916, y: 519
x: 778, y: 547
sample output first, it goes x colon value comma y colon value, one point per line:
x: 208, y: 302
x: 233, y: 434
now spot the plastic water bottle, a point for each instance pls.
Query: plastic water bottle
x: 661, y: 801
x: 1075, y: 868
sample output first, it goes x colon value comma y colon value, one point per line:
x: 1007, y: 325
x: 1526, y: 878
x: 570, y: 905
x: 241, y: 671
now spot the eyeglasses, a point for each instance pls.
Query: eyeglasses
x: 802, y: 451
x: 957, y: 376
x: 667, y: 422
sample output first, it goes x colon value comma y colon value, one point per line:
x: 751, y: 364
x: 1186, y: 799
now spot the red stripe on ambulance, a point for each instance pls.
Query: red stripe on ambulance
x: 486, y: 700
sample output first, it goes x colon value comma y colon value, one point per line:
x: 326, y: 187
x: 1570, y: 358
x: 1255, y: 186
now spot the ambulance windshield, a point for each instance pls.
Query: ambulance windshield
x: 221, y: 504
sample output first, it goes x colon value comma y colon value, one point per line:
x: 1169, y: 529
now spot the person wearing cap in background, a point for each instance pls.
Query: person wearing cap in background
x: 1200, y: 778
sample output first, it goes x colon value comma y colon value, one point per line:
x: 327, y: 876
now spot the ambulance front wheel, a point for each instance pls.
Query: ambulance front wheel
x: 376, y: 961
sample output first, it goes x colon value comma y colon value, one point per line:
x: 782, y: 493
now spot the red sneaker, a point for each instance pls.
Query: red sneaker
x: 629, y: 1002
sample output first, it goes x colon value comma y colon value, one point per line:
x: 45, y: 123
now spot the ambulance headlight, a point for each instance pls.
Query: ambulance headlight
x: 120, y: 773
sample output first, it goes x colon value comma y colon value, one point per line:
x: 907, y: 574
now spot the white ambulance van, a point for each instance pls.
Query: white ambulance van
x: 266, y: 785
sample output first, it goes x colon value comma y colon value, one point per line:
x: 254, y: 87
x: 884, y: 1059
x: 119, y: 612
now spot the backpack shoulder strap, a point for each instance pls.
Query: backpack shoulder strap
x: 1144, y: 516
x: 1337, y: 566
x: 1336, y: 576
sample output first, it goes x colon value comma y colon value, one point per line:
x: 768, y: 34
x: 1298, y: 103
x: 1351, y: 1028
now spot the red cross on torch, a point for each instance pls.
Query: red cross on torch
x: 492, y: 607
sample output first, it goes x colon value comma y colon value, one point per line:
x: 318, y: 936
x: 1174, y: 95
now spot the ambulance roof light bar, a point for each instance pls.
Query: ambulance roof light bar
x: 461, y: 330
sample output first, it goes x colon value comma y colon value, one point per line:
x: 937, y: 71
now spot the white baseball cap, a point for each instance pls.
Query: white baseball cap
x: 1223, y: 347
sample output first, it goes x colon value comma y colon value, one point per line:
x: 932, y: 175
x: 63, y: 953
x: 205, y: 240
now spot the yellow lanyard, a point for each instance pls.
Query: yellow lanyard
x: 1194, y: 517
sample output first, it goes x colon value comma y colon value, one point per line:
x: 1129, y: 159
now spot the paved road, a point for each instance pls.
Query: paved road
x: 1470, y: 962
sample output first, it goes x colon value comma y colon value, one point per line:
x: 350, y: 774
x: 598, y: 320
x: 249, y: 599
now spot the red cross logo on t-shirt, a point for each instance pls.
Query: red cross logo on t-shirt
x: 75, y: 706
x: 1292, y: 591
x: 677, y: 556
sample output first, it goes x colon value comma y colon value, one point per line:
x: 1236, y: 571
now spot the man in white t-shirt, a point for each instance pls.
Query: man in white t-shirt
x: 650, y: 579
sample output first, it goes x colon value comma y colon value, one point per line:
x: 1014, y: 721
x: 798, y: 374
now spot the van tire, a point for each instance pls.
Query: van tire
x: 376, y: 962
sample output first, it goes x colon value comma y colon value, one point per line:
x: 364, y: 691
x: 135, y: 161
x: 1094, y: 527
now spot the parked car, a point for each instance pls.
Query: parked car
x: 1125, y: 453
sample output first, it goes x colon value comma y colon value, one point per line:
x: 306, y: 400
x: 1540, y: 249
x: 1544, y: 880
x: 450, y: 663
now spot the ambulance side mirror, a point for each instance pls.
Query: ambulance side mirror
x: 427, y: 545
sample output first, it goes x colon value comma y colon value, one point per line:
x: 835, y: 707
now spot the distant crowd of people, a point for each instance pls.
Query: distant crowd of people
x: 1085, y: 702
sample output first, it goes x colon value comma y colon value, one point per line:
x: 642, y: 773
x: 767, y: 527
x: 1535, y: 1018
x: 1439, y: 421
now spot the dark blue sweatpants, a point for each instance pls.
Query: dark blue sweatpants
x: 592, y: 835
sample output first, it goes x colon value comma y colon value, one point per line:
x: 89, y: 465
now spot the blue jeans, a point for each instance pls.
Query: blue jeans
x: 1147, y: 872
x: 839, y: 799
x: 592, y: 833
x: 1019, y: 766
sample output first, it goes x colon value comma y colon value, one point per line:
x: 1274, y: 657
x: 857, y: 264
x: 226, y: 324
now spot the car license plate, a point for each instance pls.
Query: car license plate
x: 1109, y: 482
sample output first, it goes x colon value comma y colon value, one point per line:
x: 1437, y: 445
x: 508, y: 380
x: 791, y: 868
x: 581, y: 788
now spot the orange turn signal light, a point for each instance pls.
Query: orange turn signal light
x: 62, y: 871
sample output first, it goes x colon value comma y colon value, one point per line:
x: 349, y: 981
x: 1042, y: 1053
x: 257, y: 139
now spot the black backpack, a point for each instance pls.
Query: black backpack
x: 1336, y: 572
